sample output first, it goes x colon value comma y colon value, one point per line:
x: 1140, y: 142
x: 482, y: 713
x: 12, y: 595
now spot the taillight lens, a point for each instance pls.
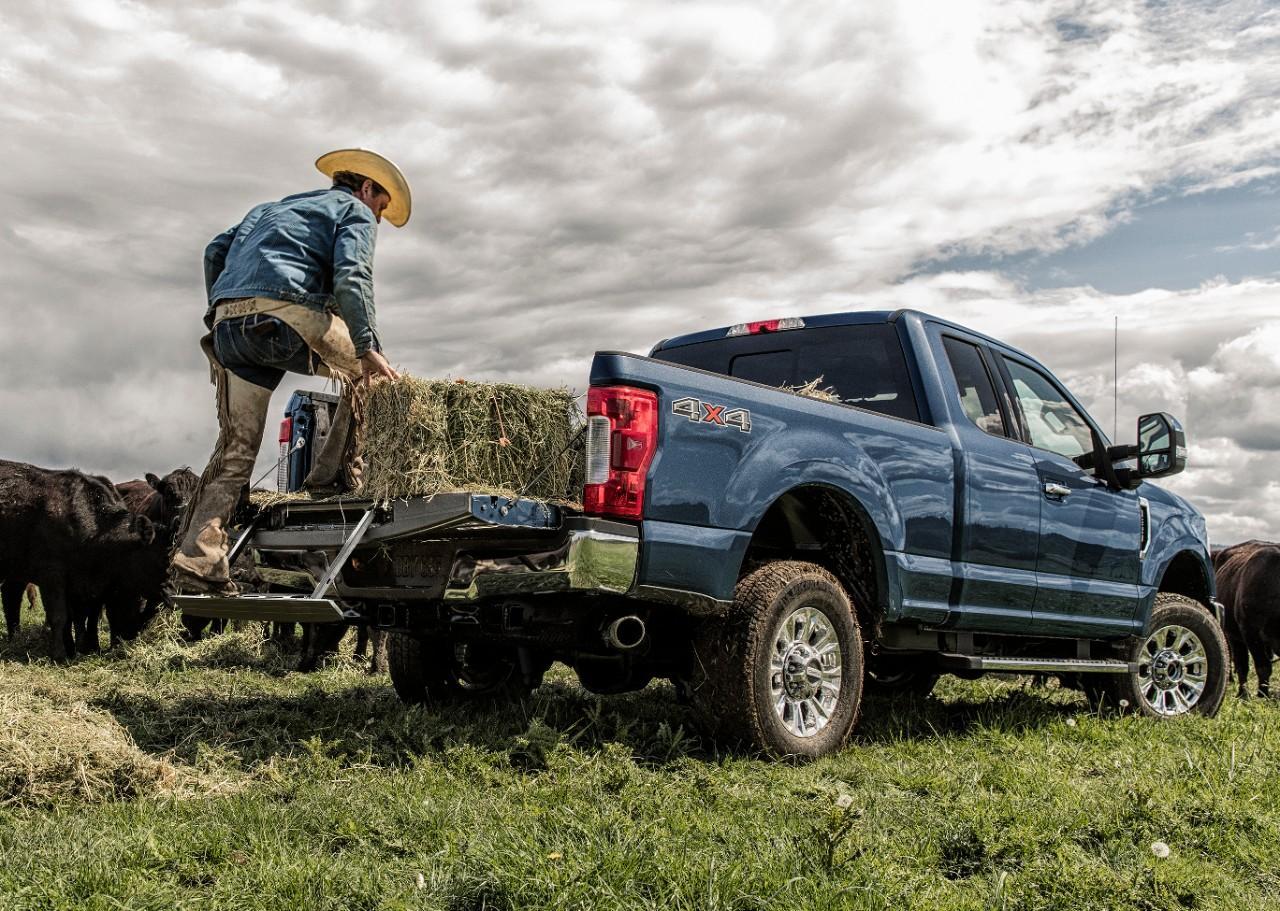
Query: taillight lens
x: 282, y: 466
x: 622, y: 436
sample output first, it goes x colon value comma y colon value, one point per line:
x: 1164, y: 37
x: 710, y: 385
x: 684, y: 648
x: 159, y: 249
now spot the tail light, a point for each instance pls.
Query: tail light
x: 282, y: 467
x: 622, y: 436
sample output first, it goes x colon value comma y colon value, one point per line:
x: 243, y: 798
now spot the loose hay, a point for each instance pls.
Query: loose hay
x: 265, y: 499
x: 423, y: 437
x: 52, y: 751
x: 815, y: 390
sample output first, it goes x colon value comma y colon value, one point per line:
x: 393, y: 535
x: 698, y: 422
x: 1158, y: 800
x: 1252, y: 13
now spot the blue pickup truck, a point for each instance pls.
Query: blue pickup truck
x: 947, y: 507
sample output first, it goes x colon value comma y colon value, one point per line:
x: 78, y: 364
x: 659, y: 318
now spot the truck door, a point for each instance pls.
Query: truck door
x: 1088, y: 563
x: 997, y: 505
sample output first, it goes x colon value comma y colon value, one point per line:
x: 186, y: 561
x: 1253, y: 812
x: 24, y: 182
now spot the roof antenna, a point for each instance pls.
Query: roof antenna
x: 1115, y: 380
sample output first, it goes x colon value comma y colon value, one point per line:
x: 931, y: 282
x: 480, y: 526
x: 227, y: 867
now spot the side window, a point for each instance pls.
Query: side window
x: 977, y: 392
x: 1053, y: 423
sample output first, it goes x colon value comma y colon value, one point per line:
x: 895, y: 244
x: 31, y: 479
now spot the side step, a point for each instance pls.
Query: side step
x: 315, y: 608
x: 1035, y: 665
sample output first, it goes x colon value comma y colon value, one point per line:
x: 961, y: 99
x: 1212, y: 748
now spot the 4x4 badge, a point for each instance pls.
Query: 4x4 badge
x: 705, y: 413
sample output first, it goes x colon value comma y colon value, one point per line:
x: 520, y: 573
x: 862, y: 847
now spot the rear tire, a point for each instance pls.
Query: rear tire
x: 406, y: 659
x: 440, y: 670
x: 783, y: 672
x: 1182, y: 662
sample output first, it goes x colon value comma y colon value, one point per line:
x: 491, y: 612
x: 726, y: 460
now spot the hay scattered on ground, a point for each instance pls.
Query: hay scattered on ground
x: 815, y: 390
x: 427, y: 436
x: 51, y: 751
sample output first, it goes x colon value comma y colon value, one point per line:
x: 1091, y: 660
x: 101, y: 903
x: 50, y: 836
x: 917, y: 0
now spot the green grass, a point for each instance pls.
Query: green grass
x: 322, y: 791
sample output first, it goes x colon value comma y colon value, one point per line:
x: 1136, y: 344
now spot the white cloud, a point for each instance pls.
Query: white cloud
x: 1210, y: 356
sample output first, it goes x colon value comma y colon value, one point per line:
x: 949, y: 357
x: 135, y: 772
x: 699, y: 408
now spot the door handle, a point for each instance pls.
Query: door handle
x: 1055, y: 491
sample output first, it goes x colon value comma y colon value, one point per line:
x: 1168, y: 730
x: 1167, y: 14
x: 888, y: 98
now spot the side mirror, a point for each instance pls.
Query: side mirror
x: 1162, y: 446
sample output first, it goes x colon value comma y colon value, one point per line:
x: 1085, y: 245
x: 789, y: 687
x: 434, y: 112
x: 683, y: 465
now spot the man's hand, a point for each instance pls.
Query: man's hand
x: 375, y: 365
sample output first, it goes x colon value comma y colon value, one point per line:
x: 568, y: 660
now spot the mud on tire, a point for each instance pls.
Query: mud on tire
x: 783, y: 672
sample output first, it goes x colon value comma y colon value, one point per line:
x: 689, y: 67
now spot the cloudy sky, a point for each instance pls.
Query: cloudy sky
x: 601, y: 175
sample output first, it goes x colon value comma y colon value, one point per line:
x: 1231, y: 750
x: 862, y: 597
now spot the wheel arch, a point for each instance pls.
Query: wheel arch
x: 827, y: 525
x: 1187, y: 574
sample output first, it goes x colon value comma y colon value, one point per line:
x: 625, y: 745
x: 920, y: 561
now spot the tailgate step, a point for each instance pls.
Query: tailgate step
x: 1035, y: 665
x: 281, y: 608
x: 272, y: 608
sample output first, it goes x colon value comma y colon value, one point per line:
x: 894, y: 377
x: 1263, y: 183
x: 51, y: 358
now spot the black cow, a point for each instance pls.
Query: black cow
x: 12, y: 582
x: 1248, y: 581
x: 160, y: 499
x: 321, y: 640
x: 71, y: 535
x: 11, y: 593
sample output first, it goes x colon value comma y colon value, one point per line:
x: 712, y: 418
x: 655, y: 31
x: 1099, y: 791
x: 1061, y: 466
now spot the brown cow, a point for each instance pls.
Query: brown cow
x: 1248, y: 581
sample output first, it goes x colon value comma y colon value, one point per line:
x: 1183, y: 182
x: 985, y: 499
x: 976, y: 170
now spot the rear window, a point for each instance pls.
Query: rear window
x: 863, y: 365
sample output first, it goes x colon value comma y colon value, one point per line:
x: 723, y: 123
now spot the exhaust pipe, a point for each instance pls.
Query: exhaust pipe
x: 625, y: 633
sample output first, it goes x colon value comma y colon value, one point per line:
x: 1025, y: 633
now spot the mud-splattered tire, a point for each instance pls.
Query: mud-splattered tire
x: 783, y: 672
x: 1182, y: 663
x: 443, y: 671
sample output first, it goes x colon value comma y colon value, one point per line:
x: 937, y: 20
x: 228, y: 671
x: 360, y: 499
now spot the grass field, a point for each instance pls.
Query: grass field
x: 222, y: 780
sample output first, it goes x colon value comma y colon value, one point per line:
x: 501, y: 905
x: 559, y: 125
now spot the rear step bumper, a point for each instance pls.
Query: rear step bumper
x: 593, y: 555
x: 1035, y: 665
x: 589, y: 559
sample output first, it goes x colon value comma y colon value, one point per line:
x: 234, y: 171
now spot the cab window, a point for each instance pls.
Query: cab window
x: 1053, y: 423
x: 862, y: 365
x: 973, y: 381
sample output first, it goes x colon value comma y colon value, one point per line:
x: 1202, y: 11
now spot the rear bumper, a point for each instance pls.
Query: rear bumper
x: 594, y: 556
x: 483, y: 559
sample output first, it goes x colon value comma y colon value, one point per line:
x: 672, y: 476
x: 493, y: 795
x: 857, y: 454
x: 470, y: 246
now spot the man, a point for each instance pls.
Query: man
x: 290, y: 289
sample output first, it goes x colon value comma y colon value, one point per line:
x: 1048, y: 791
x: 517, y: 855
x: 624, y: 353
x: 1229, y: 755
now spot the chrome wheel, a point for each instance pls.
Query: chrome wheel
x: 805, y: 671
x: 1173, y: 668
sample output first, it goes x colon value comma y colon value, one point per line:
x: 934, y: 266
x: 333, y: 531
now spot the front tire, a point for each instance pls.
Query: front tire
x: 783, y: 672
x: 1182, y: 662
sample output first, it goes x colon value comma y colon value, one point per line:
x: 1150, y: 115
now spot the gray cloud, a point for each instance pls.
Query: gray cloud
x: 605, y: 176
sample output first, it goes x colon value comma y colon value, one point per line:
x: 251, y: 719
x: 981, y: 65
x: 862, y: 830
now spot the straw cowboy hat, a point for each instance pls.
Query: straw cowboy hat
x: 380, y: 171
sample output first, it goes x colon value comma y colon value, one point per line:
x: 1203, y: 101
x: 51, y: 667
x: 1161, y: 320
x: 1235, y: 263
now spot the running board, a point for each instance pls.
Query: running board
x: 1035, y: 665
x: 315, y: 608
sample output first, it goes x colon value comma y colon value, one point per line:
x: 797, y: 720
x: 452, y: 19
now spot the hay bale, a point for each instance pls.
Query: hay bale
x: 423, y: 437
x: 51, y: 751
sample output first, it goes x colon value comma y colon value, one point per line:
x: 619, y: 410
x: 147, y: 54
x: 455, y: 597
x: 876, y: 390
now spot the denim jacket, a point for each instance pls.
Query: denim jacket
x: 315, y: 249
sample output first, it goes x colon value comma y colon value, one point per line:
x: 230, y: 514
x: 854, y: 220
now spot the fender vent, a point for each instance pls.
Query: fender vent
x: 1144, y: 533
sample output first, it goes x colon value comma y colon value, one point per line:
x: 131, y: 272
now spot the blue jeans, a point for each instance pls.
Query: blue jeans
x: 261, y: 349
